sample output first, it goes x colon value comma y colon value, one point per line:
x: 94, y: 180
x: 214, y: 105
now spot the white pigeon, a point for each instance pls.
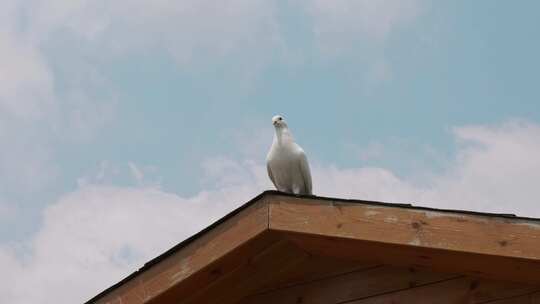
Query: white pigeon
x: 286, y: 162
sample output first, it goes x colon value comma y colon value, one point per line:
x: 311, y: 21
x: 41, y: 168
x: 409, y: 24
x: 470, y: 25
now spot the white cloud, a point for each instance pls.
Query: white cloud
x: 209, y: 32
x: 34, y: 115
x: 361, y: 31
x: 188, y: 30
x: 52, y: 54
x: 26, y: 80
x: 94, y: 236
x: 12, y: 267
x: 47, y: 45
x: 496, y: 170
x: 339, y: 25
x: 26, y: 90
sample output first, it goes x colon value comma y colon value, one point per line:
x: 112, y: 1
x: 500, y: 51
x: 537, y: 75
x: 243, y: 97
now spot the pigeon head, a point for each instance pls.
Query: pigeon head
x: 278, y: 121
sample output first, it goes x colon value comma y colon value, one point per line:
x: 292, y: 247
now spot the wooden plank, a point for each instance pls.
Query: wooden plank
x: 510, y: 269
x: 526, y: 299
x: 314, y: 267
x: 251, y: 275
x: 187, y: 266
x: 457, y: 291
x: 216, y: 272
x: 350, y: 286
x: 405, y: 226
x: 517, y: 300
x: 535, y: 298
x: 532, y: 298
x: 448, y: 234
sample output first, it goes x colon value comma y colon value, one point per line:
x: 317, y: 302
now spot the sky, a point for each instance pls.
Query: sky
x: 127, y: 126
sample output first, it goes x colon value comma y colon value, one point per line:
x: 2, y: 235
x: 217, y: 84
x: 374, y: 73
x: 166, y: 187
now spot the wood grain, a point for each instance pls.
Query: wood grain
x: 411, y: 237
x: 526, y: 299
x: 350, y: 286
x: 254, y: 273
x: 457, y: 291
x: 406, y: 226
x: 313, y: 268
x: 509, y: 269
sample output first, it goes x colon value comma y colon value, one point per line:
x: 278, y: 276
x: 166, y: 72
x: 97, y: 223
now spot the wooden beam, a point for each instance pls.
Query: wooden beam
x: 510, y: 269
x: 215, y: 274
x: 533, y: 298
x: 280, y: 265
x: 457, y: 291
x: 314, y: 268
x: 350, y: 286
x: 412, y: 237
x: 251, y: 275
x: 200, y: 262
x: 407, y: 226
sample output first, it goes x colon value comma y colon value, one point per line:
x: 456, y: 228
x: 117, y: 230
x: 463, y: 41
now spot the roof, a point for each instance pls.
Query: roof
x: 400, y: 234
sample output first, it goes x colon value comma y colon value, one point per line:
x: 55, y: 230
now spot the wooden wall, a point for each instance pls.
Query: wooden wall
x: 329, y: 281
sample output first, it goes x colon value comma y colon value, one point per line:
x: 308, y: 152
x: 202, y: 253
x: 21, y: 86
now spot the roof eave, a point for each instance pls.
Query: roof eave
x: 352, y: 229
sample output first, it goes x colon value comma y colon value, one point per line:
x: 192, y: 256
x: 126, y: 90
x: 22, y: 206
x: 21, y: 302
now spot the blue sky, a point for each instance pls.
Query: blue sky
x: 448, y: 67
x: 114, y: 114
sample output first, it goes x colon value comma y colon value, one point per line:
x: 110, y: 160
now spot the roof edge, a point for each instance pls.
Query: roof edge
x: 274, y: 193
x: 400, y: 205
x: 178, y: 247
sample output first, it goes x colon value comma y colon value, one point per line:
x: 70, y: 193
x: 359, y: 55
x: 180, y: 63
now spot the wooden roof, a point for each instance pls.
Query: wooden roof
x: 276, y: 239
